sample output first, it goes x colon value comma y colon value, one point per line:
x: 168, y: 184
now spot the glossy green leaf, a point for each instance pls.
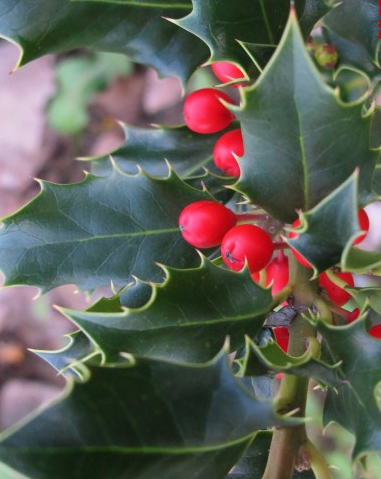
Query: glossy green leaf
x: 368, y: 296
x: 99, y: 231
x: 136, y: 29
x: 357, y: 22
x: 186, y: 151
x: 147, y: 419
x: 294, y: 135
x: 355, y: 403
x: 65, y: 360
x: 375, y: 134
x: 360, y: 261
x: 330, y: 227
x: 270, y: 358
x: 220, y: 24
x: 187, y: 318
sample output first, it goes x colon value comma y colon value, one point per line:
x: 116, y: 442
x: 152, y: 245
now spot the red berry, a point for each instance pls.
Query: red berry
x: 353, y: 315
x: 227, y: 72
x: 204, y: 223
x: 204, y: 112
x: 302, y: 260
x: 282, y: 336
x: 375, y: 331
x: 228, y: 145
x: 277, y: 272
x: 247, y: 242
x: 364, y: 225
x: 336, y: 293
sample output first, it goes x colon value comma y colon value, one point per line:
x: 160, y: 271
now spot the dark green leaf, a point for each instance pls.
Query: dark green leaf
x: 220, y: 24
x: 270, y: 358
x: 368, y: 296
x: 336, y: 214
x: 136, y: 29
x: 357, y: 22
x: 293, y: 135
x: 65, y: 360
x: 145, y: 420
x: 375, y: 134
x: 186, y: 151
x: 187, y: 318
x: 355, y: 403
x: 99, y: 231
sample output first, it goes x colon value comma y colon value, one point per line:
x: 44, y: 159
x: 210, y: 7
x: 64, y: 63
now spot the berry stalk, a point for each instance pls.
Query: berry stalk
x: 289, y: 443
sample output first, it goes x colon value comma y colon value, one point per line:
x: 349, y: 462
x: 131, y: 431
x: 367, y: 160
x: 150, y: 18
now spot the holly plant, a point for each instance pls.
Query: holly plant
x: 232, y: 246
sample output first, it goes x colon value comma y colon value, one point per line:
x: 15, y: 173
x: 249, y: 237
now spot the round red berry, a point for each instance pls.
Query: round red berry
x: 204, y: 223
x: 247, y: 242
x: 302, y: 260
x: 282, y: 336
x: 227, y: 72
x: 363, y: 219
x: 277, y: 273
x: 353, y: 315
x: 336, y: 294
x: 375, y: 331
x: 204, y: 111
x: 228, y: 146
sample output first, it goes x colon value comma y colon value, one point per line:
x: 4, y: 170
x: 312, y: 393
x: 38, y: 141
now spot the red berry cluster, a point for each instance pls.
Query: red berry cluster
x: 206, y: 224
x: 205, y: 112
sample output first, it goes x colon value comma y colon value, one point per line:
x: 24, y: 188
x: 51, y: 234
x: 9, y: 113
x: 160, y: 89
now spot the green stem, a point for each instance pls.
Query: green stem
x: 288, y: 442
x: 317, y: 461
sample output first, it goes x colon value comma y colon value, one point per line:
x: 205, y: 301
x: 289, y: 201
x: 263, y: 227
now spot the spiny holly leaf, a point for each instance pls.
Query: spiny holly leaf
x: 262, y: 360
x: 368, y: 296
x: 101, y: 230
x: 293, y: 135
x: 357, y: 22
x: 220, y: 24
x: 146, y: 419
x: 136, y: 29
x: 329, y: 227
x: 352, y: 54
x: 66, y: 360
x: 375, y: 134
x: 186, y: 151
x: 355, y: 404
x: 187, y: 318
x: 360, y: 261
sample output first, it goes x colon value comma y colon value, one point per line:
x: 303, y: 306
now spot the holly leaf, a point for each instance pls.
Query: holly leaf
x: 360, y: 261
x: 146, y: 419
x: 337, y: 213
x: 355, y: 403
x: 375, y: 138
x: 221, y: 24
x: 368, y: 296
x: 187, y: 318
x: 102, y: 230
x: 261, y: 360
x: 293, y: 135
x: 68, y: 360
x: 186, y: 151
x: 136, y: 29
x: 356, y: 21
